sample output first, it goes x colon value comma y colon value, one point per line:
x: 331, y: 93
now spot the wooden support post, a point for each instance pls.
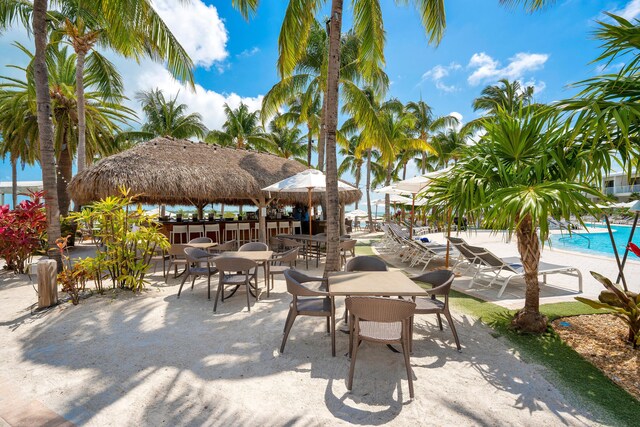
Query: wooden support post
x: 47, y: 283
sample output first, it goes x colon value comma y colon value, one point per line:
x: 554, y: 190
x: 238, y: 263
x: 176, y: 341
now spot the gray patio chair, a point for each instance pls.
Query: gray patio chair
x: 366, y: 263
x: 281, y: 263
x: 234, y: 272
x: 441, y: 281
x: 176, y: 258
x: 201, y: 240
x: 381, y: 320
x: 195, y: 259
x: 253, y: 246
x: 308, y: 301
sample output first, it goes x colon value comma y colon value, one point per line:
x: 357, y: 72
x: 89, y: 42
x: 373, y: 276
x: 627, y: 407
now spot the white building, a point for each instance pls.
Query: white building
x: 620, y: 185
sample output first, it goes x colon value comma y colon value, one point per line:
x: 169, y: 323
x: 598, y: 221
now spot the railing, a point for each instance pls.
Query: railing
x: 622, y: 189
x: 570, y: 235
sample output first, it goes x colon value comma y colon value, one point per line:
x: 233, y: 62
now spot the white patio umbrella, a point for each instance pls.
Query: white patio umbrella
x: 356, y: 213
x: 308, y: 181
x: 415, y: 186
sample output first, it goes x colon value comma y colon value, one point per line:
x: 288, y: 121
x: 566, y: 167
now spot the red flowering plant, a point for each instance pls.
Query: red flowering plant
x: 22, y: 231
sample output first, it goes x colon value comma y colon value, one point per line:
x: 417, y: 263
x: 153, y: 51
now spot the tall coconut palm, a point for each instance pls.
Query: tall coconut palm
x: 287, y: 142
x: 305, y: 89
x: 427, y: 124
x: 368, y: 26
x: 139, y: 33
x: 18, y: 105
x: 352, y: 160
x: 514, y: 179
x: 167, y: 117
x: 448, y: 145
x: 505, y: 95
x: 241, y: 129
x: 299, y: 113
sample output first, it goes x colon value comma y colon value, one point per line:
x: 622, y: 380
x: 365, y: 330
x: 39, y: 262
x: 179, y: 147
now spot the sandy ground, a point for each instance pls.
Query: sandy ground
x: 153, y: 359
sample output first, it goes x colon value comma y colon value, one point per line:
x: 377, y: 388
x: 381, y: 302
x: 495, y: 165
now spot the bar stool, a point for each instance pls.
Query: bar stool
x: 213, y: 229
x: 284, y: 227
x: 272, y: 226
x: 255, y: 232
x: 296, y: 225
x: 230, y: 228
x: 195, y: 229
x: 244, y: 230
x: 179, y: 231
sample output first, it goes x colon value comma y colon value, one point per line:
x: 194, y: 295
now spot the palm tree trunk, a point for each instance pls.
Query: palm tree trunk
x: 82, y: 151
x: 333, y: 75
x: 322, y: 137
x: 358, y: 173
x: 65, y: 173
x: 404, y: 170
x: 529, y: 318
x: 309, y: 144
x: 45, y: 127
x: 387, y: 198
x: 424, y: 162
x: 369, y: 189
x: 14, y: 182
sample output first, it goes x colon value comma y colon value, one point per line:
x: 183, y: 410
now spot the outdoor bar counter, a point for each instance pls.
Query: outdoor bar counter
x: 167, y: 227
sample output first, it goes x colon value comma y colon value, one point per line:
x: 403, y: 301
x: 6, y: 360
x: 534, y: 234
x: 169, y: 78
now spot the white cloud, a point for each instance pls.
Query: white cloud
x: 438, y: 73
x: 459, y: 117
x: 248, y: 52
x: 538, y: 85
x: 485, y: 68
x: 204, y: 101
x: 198, y: 28
x: 630, y: 11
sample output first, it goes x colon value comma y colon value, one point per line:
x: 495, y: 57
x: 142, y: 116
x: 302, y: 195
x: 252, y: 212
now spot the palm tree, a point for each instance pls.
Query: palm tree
x: 448, y: 145
x: 305, y: 89
x: 241, y: 129
x: 18, y: 107
x: 139, y: 33
x: 352, y: 160
x: 286, y: 142
x: 426, y: 124
x: 505, y: 95
x: 368, y: 26
x: 168, y: 117
x: 301, y: 113
x: 514, y: 179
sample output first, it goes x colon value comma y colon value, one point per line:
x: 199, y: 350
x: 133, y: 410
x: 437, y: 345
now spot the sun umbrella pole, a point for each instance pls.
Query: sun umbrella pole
x: 413, y: 208
x: 310, y: 212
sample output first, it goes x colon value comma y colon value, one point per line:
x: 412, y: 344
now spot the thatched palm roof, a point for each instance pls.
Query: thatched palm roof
x: 181, y: 172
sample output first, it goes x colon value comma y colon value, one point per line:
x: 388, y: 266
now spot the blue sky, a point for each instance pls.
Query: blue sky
x: 483, y: 42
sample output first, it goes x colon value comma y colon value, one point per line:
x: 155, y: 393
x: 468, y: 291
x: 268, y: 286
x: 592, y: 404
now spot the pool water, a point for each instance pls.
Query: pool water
x: 597, y: 241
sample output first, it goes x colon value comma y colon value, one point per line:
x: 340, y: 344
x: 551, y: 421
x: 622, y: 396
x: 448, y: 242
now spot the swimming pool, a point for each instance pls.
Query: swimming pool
x: 597, y: 240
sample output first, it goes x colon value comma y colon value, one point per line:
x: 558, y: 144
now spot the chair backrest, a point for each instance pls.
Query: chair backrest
x: 253, y: 247
x: 272, y: 224
x: 196, y: 254
x: 348, y: 245
x: 493, y: 260
x: 177, y: 250
x: 366, y: 263
x: 179, y: 229
x: 275, y: 242
x: 287, y: 257
x: 441, y: 281
x: 456, y: 240
x: 290, y: 243
x: 234, y: 264
x: 377, y: 309
x: 227, y: 246
x: 244, y: 226
x: 201, y: 240
x: 211, y: 227
x: 295, y: 280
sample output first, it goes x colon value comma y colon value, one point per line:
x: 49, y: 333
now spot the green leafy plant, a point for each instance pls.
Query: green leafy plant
x: 625, y: 307
x: 22, y: 232
x: 72, y: 278
x: 126, y: 239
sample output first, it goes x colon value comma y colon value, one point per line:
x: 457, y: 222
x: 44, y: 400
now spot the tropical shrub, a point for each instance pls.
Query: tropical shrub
x: 72, y: 278
x: 627, y: 307
x: 126, y: 239
x: 22, y: 231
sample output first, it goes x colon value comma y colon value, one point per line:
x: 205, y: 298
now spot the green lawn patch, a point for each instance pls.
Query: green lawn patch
x: 568, y: 369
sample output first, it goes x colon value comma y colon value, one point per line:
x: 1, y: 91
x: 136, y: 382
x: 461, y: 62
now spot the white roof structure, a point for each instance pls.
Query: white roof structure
x: 23, y: 187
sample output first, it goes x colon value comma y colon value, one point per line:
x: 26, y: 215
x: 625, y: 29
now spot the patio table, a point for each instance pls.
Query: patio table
x: 371, y: 283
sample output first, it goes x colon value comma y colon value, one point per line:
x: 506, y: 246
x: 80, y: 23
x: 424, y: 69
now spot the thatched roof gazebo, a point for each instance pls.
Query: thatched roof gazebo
x: 181, y: 172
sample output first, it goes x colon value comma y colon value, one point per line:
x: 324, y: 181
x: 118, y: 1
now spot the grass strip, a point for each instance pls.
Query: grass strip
x: 569, y: 370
